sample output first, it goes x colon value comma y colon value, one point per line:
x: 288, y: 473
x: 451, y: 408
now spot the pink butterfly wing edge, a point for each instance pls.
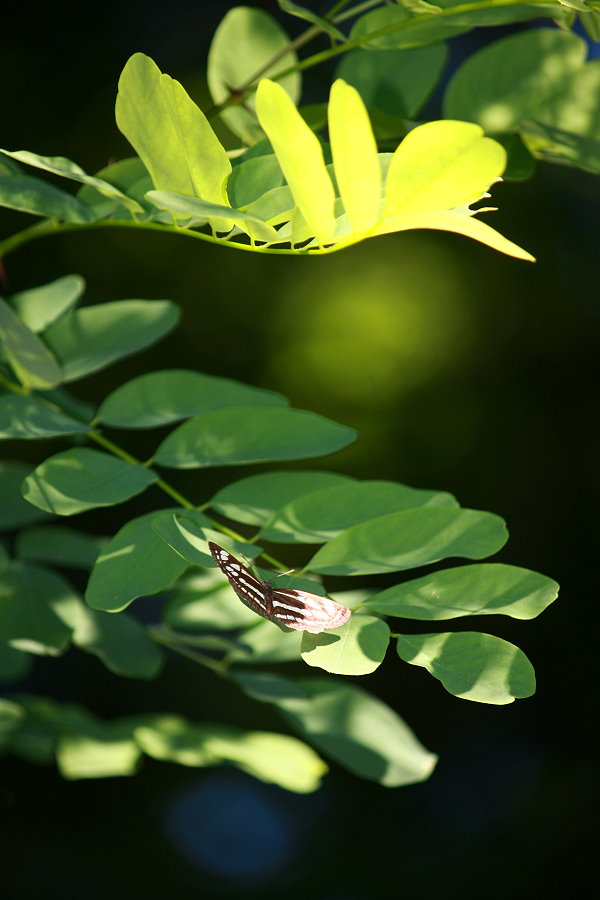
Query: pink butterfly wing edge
x: 320, y: 613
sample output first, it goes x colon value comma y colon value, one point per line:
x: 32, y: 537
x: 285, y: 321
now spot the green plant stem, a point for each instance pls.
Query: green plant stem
x: 160, y: 634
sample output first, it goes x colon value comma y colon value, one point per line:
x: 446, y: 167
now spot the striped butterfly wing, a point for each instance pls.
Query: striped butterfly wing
x: 295, y: 609
x: 241, y: 579
x: 307, y: 612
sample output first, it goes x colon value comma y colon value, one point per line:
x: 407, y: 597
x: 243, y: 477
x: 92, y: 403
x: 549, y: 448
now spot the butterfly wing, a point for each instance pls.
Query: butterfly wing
x: 307, y: 612
x: 247, y: 587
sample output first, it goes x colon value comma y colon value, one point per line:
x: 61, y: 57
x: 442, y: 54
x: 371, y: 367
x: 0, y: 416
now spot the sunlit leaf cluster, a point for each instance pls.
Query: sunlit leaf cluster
x: 342, y: 526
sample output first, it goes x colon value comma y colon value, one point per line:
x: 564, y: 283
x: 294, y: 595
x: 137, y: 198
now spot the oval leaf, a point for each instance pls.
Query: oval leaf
x: 413, y: 537
x: 14, y: 510
x: 93, y: 338
x: 136, y: 562
x: 471, y: 665
x: 188, y: 532
x: 31, y: 417
x: 160, y: 398
x: 59, y: 546
x: 40, y: 306
x: 300, y: 156
x: 319, y: 516
x: 32, y: 195
x: 262, y: 38
x: 81, y: 479
x: 204, y: 601
x: 354, y: 728
x: 243, y: 435
x: 357, y: 648
x: 253, y: 500
x: 32, y: 600
x: 119, y: 641
x: 487, y: 589
x: 32, y: 362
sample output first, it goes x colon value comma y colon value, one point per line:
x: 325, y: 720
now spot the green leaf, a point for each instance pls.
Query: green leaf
x: 119, y: 641
x: 294, y: 9
x: 300, y: 157
x: 471, y: 665
x: 253, y: 500
x: 412, y: 537
x: 31, y: 417
x: 32, y: 601
x: 30, y: 359
x: 479, y: 590
x: 458, y: 222
x: 131, y: 177
x: 92, y: 338
x: 396, y: 82
x: 204, y: 601
x: 201, y: 210
x: 274, y: 758
x: 81, y: 479
x: 354, y: 152
x: 243, y: 435
x: 357, y: 648
x: 253, y: 177
x: 354, y: 728
x: 65, y: 168
x: 90, y: 748
x: 136, y: 562
x: 507, y: 82
x: 14, y: 511
x: 229, y: 69
x: 188, y: 531
x: 321, y: 515
x: 160, y: 398
x: 32, y: 195
x: 441, y: 165
x: 14, y: 664
x: 393, y: 27
x: 266, y: 643
x: 40, y: 306
x: 11, y: 716
x: 556, y: 146
x: 59, y: 546
x: 169, y: 132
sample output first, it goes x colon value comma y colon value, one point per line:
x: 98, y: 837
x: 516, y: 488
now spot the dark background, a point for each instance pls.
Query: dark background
x: 463, y: 370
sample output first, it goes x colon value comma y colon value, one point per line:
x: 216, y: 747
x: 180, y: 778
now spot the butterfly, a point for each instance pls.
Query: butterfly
x: 295, y: 609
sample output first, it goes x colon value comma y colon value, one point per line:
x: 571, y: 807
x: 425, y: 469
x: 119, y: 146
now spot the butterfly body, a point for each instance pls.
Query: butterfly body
x: 295, y: 609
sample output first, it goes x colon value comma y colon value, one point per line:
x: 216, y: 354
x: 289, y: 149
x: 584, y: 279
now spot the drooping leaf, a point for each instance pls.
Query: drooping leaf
x: 229, y: 70
x: 136, y: 562
x: 300, y: 157
x: 66, y: 168
x: 393, y: 27
x: 170, y: 133
x: 92, y: 338
x: 38, y: 307
x: 274, y: 758
x: 294, y: 9
x: 357, y: 648
x: 478, y: 590
x: 131, y: 177
x: 396, y: 82
x: 31, y: 417
x: 32, y: 600
x: 243, y: 435
x: 439, y: 166
x: 59, y: 546
x: 471, y: 665
x: 160, y: 398
x: 32, y: 195
x: 188, y: 531
x: 253, y: 500
x: 354, y: 153
x: 412, y: 537
x: 80, y: 479
x: 119, y: 641
x: 15, y: 512
x: 507, y: 82
x: 354, y: 728
x: 31, y: 361
x: 321, y: 515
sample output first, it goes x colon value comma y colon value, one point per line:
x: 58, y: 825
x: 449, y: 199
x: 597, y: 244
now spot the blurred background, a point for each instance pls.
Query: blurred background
x: 463, y: 370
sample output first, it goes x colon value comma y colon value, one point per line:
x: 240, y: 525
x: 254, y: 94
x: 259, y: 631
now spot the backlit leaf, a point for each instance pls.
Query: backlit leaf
x: 32, y: 195
x: 221, y: 217
x: 357, y: 648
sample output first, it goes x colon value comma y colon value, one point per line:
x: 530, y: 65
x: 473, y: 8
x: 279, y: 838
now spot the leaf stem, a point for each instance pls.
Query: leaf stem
x: 161, y: 634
